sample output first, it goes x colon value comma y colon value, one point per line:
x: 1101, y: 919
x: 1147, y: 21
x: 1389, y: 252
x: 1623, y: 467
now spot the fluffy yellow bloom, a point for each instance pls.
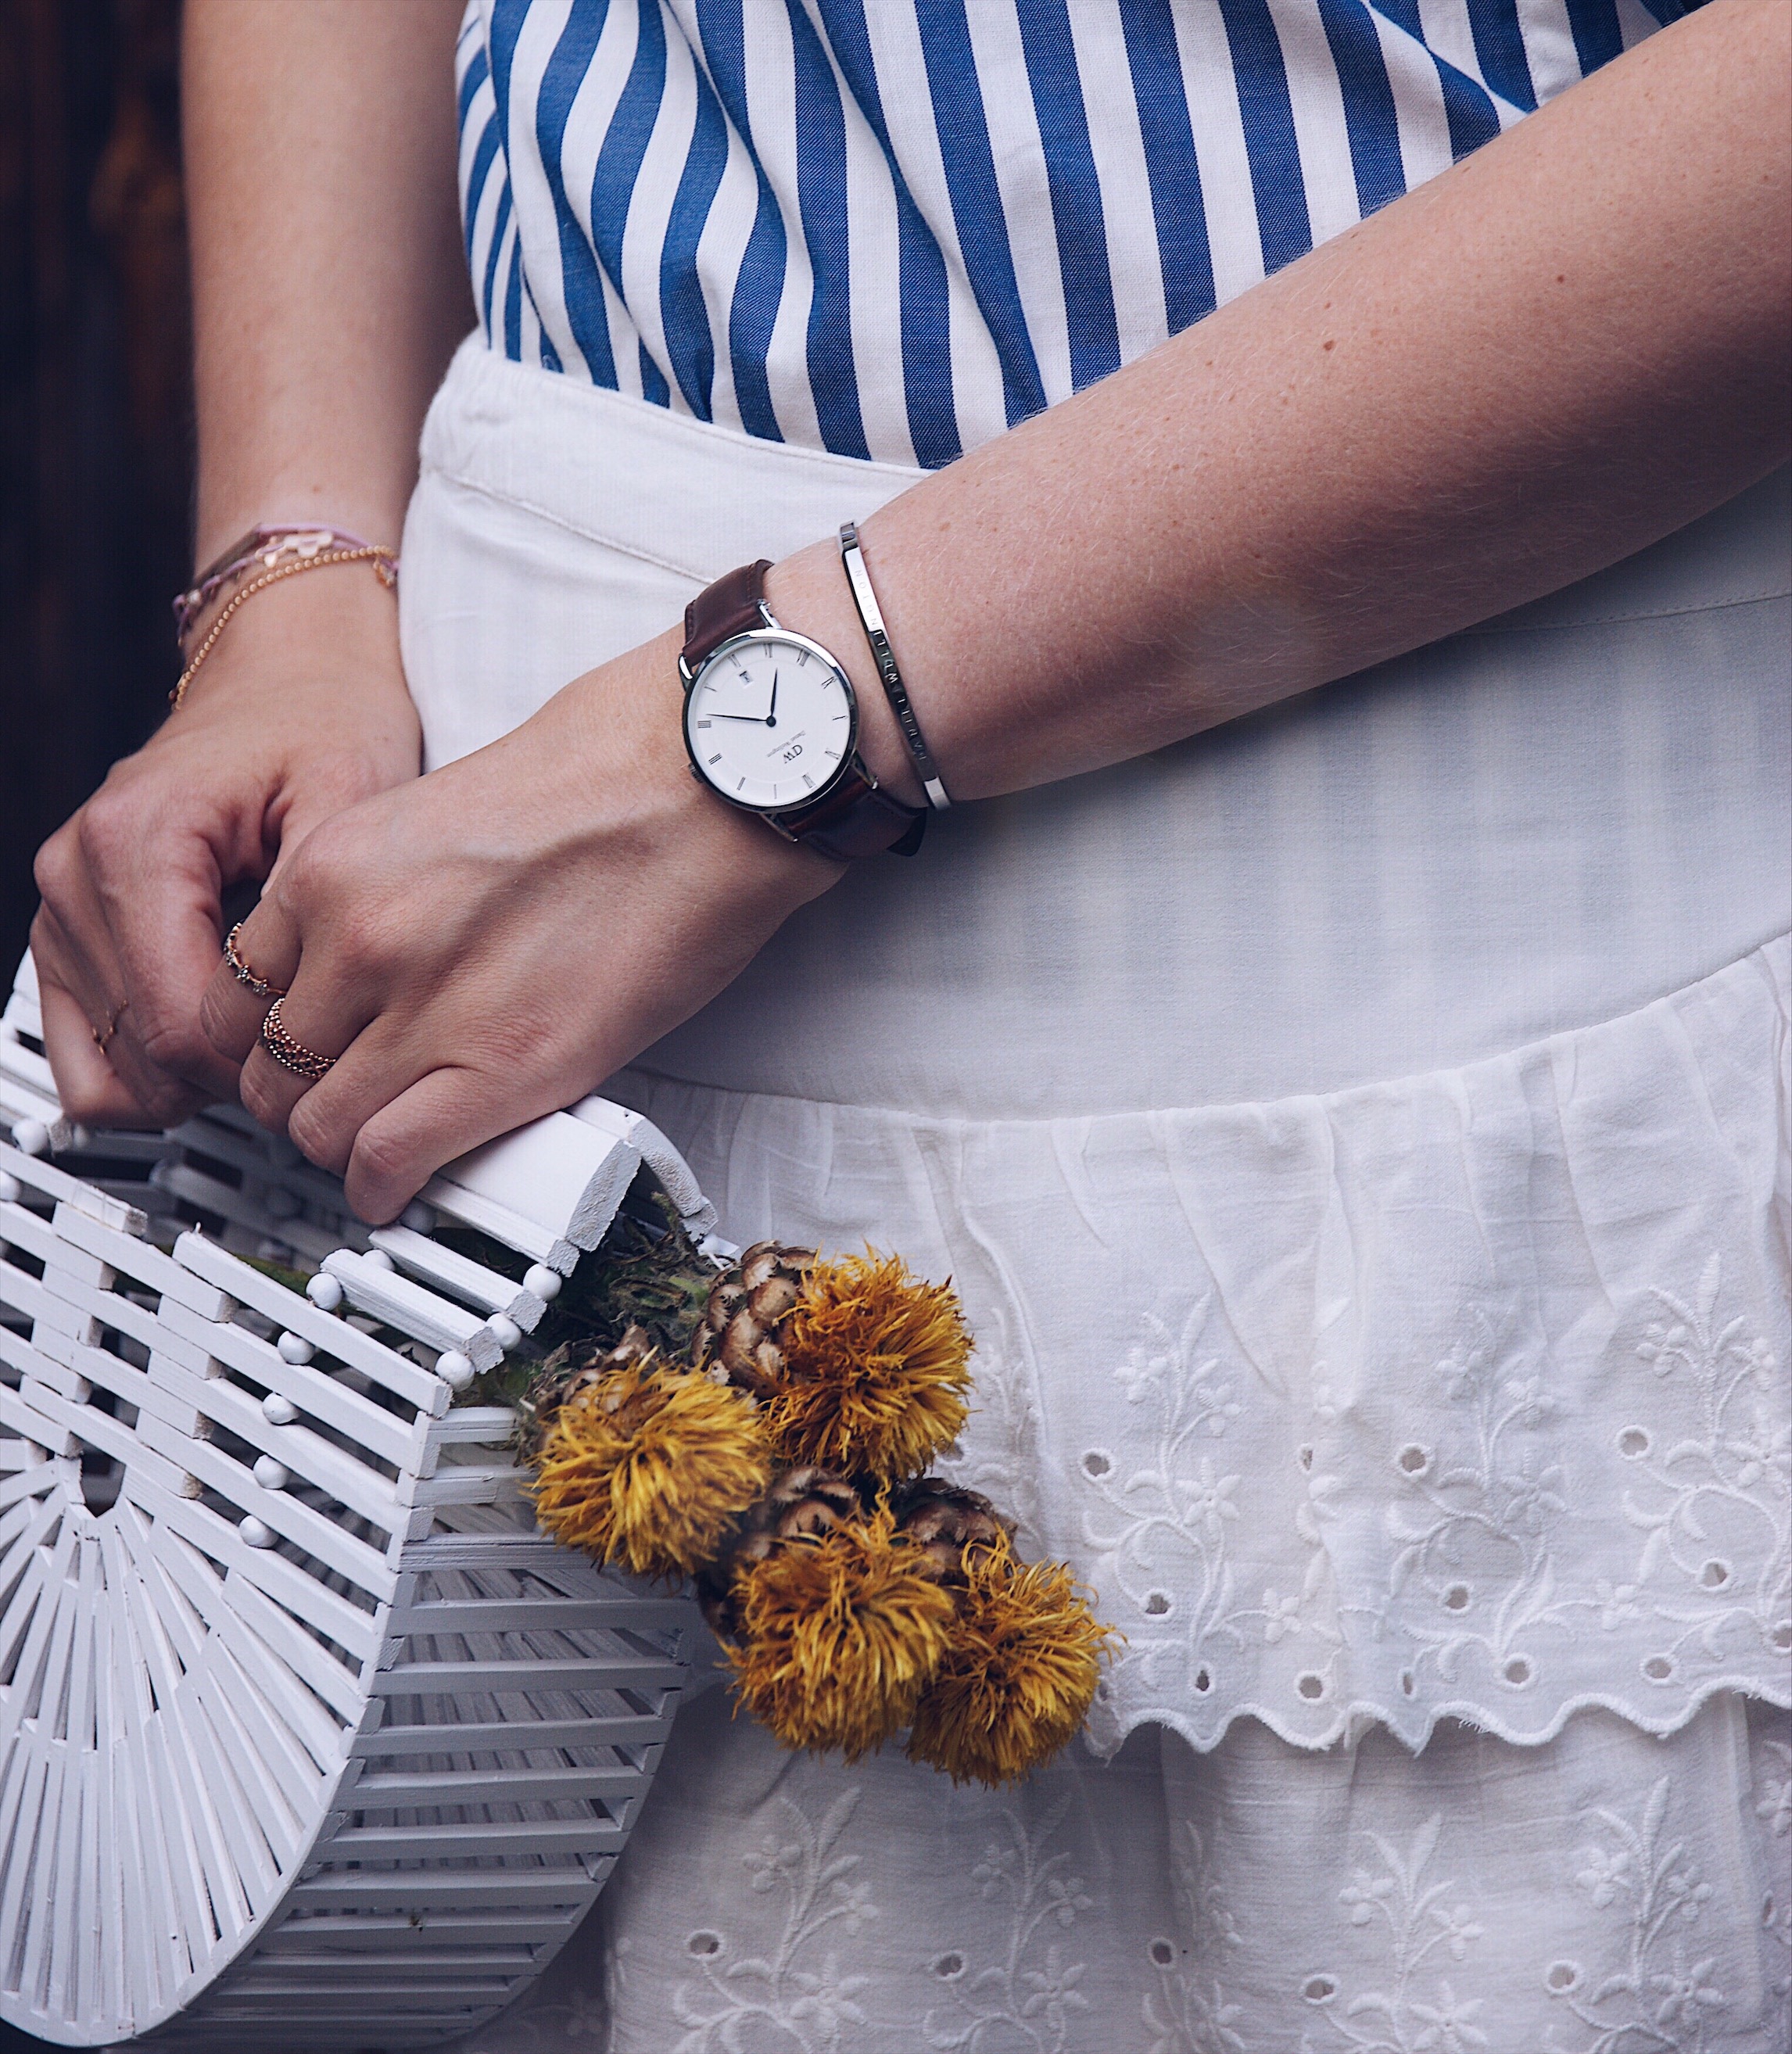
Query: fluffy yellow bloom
x: 651, y: 1467
x: 876, y: 1370
x: 1019, y: 1676
x: 839, y: 1633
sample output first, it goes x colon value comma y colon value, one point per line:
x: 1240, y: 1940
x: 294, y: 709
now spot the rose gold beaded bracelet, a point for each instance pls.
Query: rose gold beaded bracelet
x: 386, y: 566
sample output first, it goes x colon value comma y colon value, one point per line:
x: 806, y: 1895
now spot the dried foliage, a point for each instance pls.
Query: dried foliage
x: 839, y: 1633
x: 764, y: 1430
x: 651, y: 1466
x: 876, y: 1370
x: 1019, y: 1673
x: 740, y: 1331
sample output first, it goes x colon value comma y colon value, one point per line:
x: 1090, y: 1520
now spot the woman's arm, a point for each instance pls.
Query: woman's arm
x: 1570, y: 345
x: 328, y: 292
x: 328, y: 285
x: 1529, y: 369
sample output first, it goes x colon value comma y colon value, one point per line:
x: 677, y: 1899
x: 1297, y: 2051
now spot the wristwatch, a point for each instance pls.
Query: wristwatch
x: 772, y: 726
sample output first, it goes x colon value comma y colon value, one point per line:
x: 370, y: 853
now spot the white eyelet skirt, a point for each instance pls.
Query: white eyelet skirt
x: 1359, y: 1136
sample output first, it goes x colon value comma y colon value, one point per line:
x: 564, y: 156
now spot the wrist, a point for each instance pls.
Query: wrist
x: 269, y: 547
x: 279, y: 502
x: 627, y: 737
x: 332, y: 635
x: 809, y: 591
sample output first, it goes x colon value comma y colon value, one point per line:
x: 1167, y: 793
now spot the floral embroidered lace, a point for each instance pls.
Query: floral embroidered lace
x: 1604, y: 1893
x: 1462, y: 1395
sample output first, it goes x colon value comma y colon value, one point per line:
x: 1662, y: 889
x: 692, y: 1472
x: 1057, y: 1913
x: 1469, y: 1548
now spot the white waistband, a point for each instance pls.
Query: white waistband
x: 678, y: 493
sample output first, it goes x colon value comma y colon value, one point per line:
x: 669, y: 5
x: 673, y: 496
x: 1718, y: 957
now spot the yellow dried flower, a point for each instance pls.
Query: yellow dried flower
x: 651, y: 1467
x: 1017, y: 1683
x: 876, y: 1370
x: 838, y: 1634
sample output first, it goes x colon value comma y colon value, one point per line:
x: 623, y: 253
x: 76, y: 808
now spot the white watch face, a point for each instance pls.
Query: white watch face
x: 770, y: 720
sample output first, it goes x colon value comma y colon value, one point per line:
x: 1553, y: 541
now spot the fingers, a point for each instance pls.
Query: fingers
x: 441, y: 1116
x: 155, y: 885
x: 90, y: 1089
x: 130, y: 912
x: 322, y: 1114
x: 167, y: 946
x: 101, y: 1077
x: 74, y: 955
x: 330, y: 984
x: 230, y: 1013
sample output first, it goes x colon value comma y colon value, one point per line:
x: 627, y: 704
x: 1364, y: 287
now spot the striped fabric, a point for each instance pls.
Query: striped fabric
x: 892, y: 228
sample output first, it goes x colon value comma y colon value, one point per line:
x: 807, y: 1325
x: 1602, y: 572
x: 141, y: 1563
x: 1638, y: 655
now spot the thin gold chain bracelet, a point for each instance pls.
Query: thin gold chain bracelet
x: 385, y: 567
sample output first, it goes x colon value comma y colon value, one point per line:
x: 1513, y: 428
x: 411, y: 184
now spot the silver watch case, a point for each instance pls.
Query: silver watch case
x: 772, y: 633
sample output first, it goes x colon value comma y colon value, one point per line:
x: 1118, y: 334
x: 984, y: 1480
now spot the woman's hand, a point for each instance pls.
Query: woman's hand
x: 302, y: 710
x: 492, y: 941
x: 325, y: 309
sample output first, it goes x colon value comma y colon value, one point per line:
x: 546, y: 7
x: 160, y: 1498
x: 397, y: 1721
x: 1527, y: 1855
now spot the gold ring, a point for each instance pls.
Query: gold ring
x: 103, y: 1036
x: 291, y: 1055
x: 244, y: 974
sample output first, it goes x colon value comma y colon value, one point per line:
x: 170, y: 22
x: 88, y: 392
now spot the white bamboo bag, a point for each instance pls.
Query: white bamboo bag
x: 308, y: 1739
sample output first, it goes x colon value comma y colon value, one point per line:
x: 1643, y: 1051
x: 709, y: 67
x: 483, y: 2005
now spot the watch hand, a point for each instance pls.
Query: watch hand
x: 771, y: 710
x: 758, y: 720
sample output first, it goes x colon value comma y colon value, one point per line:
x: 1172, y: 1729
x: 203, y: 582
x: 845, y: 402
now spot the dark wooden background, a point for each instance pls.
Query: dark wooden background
x: 95, y: 433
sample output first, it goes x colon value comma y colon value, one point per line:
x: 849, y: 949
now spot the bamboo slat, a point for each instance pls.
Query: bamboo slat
x: 303, y: 1726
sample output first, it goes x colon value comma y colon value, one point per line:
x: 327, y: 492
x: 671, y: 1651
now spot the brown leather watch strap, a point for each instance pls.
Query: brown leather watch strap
x: 729, y: 606
x: 854, y: 817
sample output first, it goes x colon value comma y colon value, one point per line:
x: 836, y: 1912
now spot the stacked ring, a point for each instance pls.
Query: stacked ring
x: 243, y: 974
x: 291, y: 1055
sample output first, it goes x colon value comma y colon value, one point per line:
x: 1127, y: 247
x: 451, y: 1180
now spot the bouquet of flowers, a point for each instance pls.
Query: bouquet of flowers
x: 765, y: 1431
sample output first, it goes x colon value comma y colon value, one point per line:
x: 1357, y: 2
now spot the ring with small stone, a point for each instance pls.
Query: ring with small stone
x: 103, y: 1036
x: 291, y: 1055
x: 245, y: 976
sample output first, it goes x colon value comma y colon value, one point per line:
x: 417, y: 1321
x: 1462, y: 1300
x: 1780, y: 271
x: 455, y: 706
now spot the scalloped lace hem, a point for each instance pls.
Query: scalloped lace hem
x: 1463, y: 1397
x: 1414, y: 1731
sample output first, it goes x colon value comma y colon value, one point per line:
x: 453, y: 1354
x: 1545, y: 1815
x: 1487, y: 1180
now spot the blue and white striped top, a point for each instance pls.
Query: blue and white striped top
x: 892, y: 228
